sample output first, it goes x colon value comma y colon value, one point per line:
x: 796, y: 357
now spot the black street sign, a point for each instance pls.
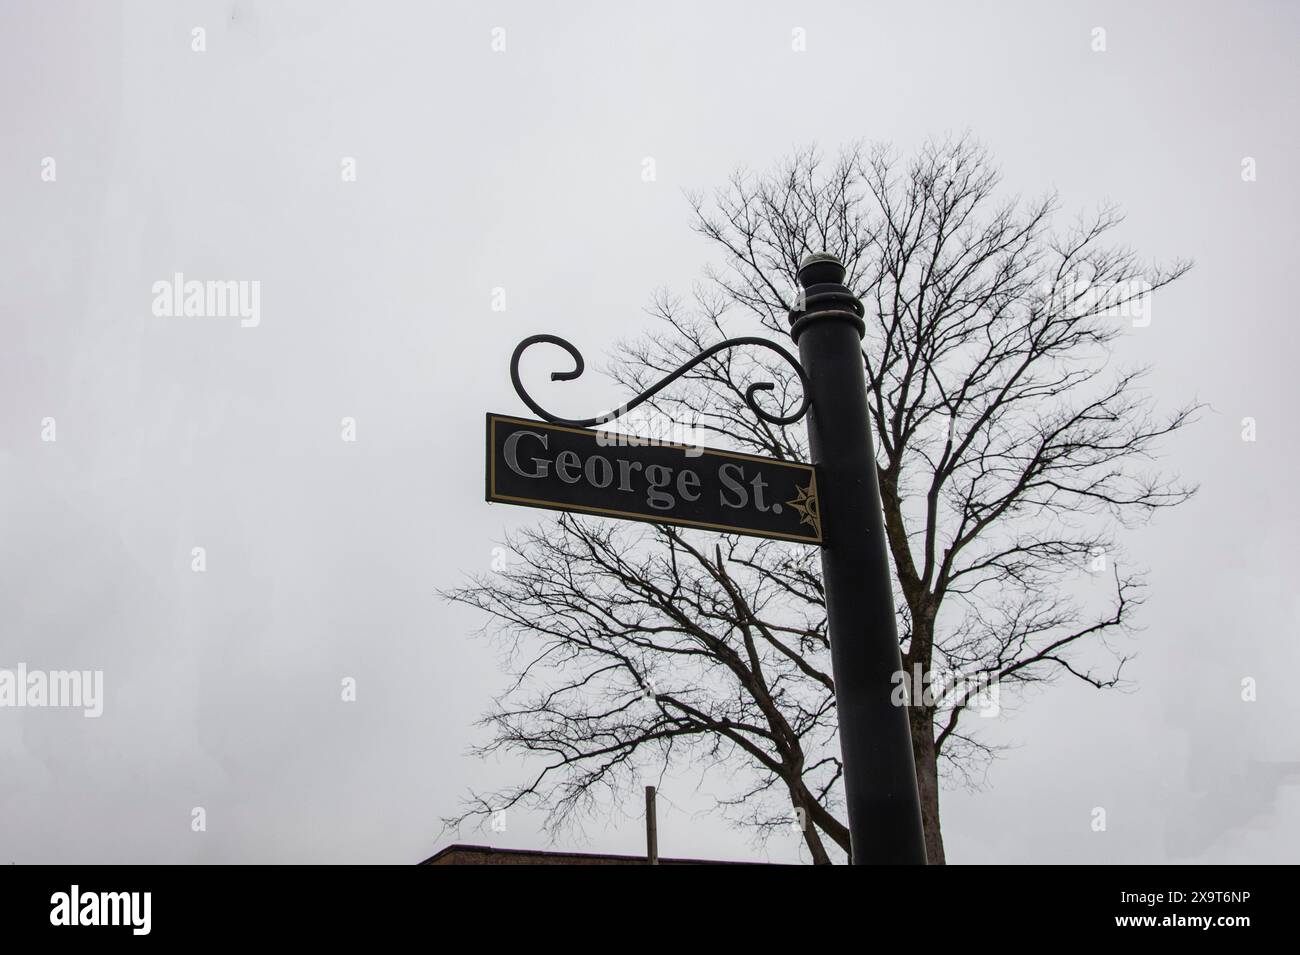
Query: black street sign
x: 598, y: 472
x: 566, y: 467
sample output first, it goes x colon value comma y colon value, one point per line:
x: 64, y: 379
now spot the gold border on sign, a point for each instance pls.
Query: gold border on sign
x: 633, y: 515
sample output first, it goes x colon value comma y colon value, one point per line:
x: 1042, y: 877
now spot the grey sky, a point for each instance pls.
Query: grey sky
x: 522, y: 170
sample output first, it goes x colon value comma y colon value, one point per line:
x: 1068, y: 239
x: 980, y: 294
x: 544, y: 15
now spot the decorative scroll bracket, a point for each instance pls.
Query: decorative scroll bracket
x: 579, y: 365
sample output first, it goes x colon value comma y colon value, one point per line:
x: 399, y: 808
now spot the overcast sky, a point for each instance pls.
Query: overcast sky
x: 522, y: 170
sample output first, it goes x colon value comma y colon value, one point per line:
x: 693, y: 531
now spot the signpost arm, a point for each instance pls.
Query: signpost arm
x: 875, y: 738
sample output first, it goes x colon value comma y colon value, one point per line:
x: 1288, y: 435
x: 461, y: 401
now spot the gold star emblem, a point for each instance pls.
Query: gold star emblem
x: 805, y: 505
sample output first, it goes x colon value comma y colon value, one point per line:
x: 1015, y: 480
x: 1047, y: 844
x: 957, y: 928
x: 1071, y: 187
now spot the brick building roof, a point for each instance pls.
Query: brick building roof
x: 489, y: 855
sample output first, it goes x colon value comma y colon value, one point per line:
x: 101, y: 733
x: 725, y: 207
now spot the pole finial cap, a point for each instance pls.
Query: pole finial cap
x: 820, y: 268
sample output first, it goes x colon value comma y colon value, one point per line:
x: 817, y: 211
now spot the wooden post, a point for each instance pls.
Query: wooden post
x: 651, y: 827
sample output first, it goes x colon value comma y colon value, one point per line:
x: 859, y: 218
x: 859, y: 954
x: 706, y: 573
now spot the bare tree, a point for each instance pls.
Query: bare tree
x: 1010, y: 452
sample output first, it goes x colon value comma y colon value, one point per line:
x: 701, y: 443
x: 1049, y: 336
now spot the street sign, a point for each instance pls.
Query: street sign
x: 598, y: 472
x: 564, y: 466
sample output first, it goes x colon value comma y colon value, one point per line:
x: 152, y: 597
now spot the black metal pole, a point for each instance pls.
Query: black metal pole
x: 875, y: 740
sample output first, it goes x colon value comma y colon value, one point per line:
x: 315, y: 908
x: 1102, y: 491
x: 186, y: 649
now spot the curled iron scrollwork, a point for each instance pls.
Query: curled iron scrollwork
x: 579, y: 365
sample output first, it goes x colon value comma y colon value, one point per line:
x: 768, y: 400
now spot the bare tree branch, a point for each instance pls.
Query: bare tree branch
x: 1011, y: 451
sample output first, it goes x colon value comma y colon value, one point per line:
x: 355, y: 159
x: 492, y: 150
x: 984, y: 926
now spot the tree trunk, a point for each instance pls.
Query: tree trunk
x: 800, y: 797
x: 815, y: 846
x: 927, y: 780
